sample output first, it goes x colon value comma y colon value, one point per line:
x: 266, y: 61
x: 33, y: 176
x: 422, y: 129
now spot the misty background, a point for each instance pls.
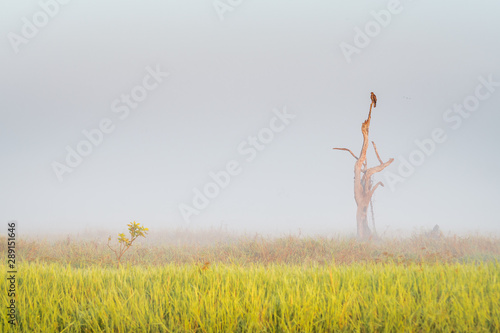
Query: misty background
x: 225, y: 79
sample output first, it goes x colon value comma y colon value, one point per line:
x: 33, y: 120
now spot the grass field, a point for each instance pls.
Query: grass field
x: 288, y: 284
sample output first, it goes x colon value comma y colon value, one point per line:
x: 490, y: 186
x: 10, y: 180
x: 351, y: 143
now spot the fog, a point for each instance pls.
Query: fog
x: 204, y: 114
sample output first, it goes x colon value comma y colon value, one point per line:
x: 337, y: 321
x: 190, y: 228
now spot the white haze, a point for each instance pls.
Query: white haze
x: 225, y: 79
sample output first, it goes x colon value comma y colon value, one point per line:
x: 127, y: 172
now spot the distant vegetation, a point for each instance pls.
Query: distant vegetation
x: 181, y: 247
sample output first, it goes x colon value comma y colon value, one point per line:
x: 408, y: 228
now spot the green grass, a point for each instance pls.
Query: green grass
x: 213, y: 282
x: 258, y: 298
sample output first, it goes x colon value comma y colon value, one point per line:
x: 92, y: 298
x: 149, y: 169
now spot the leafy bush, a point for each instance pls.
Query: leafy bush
x: 135, y: 230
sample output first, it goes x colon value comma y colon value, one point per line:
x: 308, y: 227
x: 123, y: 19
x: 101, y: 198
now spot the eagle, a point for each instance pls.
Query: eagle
x: 374, y: 100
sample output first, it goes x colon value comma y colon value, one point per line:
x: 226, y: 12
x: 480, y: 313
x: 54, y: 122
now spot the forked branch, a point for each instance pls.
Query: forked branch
x: 376, y: 152
x: 347, y: 150
x: 375, y: 187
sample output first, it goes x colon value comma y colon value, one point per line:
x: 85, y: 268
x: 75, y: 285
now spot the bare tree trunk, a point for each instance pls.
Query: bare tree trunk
x: 363, y: 189
x: 364, y: 231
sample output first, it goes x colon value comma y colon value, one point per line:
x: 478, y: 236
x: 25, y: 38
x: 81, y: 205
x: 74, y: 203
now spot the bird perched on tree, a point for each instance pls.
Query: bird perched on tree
x: 374, y: 100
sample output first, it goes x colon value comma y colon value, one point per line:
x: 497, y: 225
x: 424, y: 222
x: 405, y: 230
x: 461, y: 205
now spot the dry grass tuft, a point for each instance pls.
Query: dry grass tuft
x: 216, y: 246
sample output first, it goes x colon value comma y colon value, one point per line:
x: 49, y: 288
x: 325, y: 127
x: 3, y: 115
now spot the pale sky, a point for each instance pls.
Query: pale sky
x: 174, y: 92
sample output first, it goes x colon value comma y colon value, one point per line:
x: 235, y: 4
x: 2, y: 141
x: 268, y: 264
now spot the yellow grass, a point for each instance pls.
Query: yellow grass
x: 257, y: 298
x: 257, y: 284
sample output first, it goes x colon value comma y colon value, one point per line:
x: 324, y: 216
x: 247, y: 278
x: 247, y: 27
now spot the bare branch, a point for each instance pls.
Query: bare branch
x: 361, y: 162
x: 376, y: 152
x: 375, y: 187
x: 378, y: 168
x: 347, y: 150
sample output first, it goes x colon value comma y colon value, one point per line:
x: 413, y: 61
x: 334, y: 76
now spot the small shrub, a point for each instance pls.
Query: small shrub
x: 135, y: 230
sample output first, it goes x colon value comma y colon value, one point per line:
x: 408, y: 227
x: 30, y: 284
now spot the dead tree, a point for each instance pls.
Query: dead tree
x: 363, y: 189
